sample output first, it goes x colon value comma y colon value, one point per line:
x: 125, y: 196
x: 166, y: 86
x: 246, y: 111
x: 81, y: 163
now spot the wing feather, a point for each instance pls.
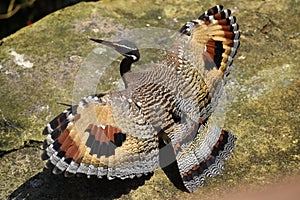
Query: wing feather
x: 92, y: 143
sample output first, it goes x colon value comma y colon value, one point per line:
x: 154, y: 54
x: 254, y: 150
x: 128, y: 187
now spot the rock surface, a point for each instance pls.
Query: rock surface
x: 39, y: 63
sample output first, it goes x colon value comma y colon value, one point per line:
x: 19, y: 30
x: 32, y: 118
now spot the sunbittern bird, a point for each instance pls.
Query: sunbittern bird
x: 116, y: 135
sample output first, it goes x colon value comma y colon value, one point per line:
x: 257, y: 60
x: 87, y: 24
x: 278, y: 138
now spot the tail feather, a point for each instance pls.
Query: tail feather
x: 207, y: 159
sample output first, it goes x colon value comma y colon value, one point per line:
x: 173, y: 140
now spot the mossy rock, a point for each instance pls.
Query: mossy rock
x: 262, y: 110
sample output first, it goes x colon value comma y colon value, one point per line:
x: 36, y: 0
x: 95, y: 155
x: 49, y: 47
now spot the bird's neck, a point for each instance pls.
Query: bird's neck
x: 125, y: 66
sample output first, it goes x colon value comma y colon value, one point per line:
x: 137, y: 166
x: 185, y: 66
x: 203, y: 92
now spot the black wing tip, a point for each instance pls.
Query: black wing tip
x: 45, y: 131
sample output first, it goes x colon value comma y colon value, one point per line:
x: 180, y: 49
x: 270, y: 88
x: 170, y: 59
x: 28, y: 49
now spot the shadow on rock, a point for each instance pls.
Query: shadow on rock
x: 168, y: 163
x: 45, y: 185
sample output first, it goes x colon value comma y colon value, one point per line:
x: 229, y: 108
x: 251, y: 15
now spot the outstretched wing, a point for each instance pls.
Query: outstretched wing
x: 213, y: 45
x: 103, y: 135
x: 200, y: 147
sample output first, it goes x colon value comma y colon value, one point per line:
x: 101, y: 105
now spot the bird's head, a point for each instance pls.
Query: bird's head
x: 124, y: 47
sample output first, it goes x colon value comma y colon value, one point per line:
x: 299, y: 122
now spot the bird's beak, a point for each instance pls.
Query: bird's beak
x: 104, y: 42
x: 127, y: 50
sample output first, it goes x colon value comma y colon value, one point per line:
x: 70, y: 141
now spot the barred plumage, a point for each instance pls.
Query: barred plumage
x: 117, y: 134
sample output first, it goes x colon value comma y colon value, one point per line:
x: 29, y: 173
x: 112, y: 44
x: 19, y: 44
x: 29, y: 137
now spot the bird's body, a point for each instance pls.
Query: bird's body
x: 117, y: 134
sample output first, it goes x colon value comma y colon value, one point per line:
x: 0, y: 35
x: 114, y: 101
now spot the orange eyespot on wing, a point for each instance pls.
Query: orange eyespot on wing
x: 104, y: 141
x: 85, y: 139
